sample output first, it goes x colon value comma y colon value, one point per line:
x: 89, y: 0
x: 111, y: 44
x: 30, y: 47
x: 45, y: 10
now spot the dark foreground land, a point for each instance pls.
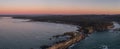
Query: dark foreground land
x: 87, y: 24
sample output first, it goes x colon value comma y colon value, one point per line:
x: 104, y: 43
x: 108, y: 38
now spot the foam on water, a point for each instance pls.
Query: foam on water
x: 116, y: 25
x: 104, y: 47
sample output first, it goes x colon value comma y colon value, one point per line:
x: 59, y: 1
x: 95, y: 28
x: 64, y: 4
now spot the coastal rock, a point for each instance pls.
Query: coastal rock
x: 81, y: 34
x: 76, y: 37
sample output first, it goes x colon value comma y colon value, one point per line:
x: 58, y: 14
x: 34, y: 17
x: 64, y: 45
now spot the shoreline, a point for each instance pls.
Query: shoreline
x: 84, y: 28
x: 81, y: 35
x: 76, y: 37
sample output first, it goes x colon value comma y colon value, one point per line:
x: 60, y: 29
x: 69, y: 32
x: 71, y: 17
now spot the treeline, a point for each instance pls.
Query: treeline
x: 76, y: 19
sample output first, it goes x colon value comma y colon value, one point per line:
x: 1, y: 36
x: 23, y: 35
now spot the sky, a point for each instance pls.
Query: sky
x: 59, y: 6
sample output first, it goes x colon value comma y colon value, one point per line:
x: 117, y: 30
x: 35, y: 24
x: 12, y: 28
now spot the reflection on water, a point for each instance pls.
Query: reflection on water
x: 18, y: 34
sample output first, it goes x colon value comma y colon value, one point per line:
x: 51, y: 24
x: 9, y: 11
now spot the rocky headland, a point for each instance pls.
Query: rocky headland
x: 87, y: 24
x: 80, y: 35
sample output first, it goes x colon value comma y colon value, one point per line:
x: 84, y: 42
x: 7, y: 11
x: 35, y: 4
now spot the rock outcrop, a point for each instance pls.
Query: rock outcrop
x: 81, y: 34
x: 76, y: 37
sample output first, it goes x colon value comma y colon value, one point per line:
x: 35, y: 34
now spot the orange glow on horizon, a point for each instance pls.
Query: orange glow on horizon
x: 59, y: 7
x: 58, y: 10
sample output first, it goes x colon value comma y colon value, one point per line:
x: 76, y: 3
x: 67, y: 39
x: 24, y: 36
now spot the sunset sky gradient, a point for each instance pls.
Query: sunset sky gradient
x: 59, y: 6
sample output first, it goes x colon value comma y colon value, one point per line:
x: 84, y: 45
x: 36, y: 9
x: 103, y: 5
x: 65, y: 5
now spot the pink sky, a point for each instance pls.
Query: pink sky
x: 59, y: 7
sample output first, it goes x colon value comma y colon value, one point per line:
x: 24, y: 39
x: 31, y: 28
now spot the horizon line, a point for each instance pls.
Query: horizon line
x: 59, y: 14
